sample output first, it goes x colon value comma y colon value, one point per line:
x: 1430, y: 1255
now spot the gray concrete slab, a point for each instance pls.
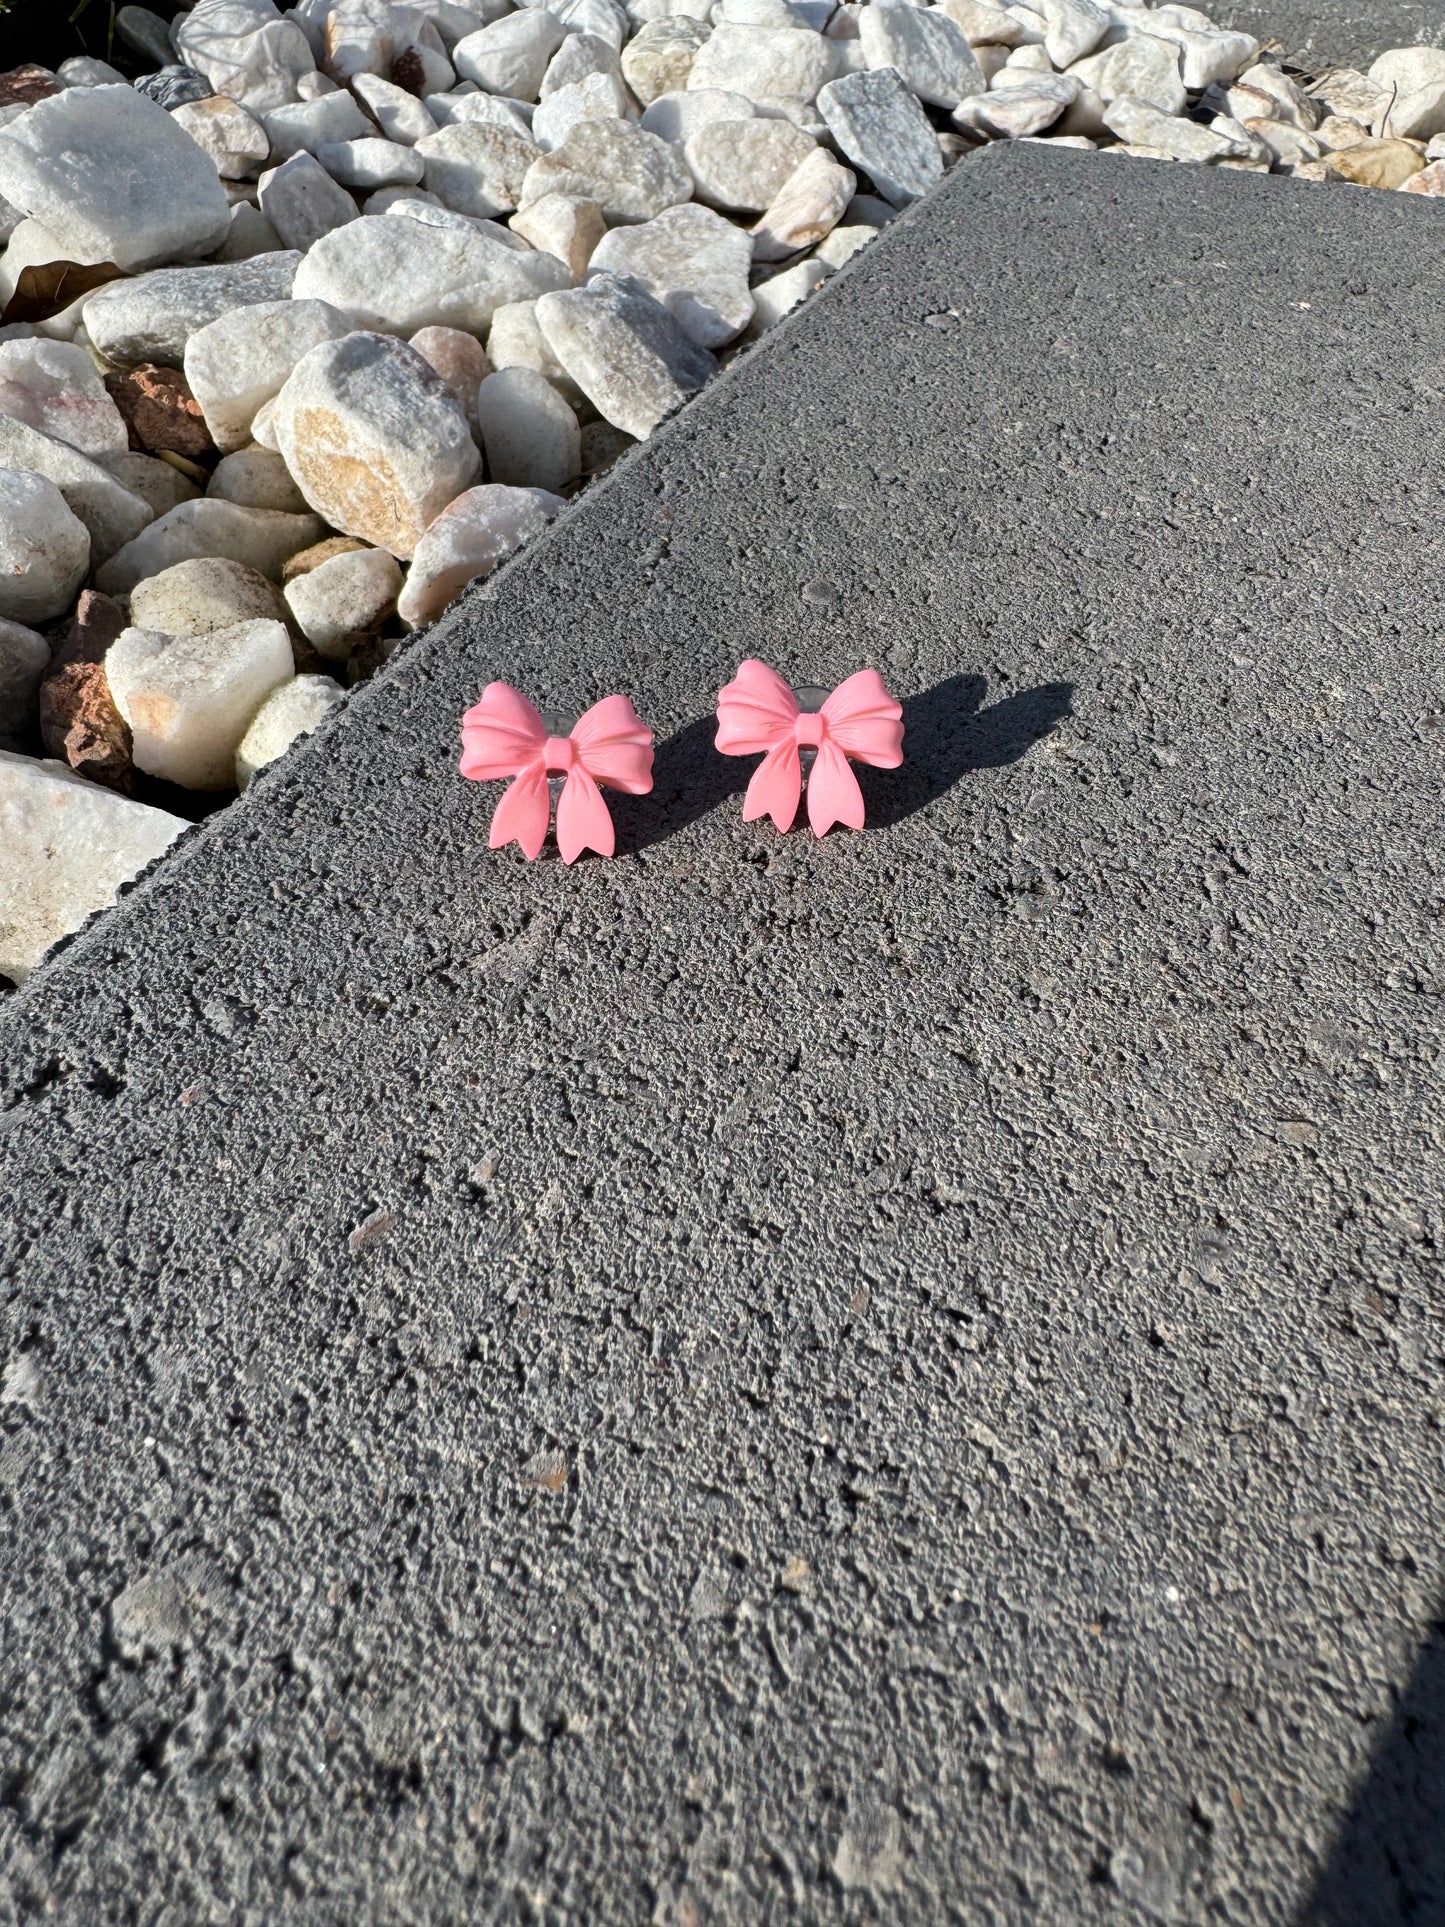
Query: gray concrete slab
x: 897, y: 1378
x: 1340, y: 33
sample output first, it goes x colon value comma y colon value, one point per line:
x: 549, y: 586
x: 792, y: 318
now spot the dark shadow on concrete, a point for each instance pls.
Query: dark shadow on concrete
x: 1388, y: 1866
x: 946, y: 736
x: 689, y: 778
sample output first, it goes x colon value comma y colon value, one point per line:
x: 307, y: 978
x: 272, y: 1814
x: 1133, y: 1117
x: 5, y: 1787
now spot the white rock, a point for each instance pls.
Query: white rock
x: 760, y: 62
x: 580, y: 55
x: 83, y: 70
x: 779, y: 296
x: 474, y: 534
x: 1416, y: 78
x: 256, y: 478
x: 601, y: 19
x: 808, y: 206
x: 1143, y: 66
x: 394, y: 274
x: 110, y: 514
x: 515, y: 340
x: 236, y: 141
x: 365, y: 165
x: 487, y: 110
x: 624, y: 350
x: 400, y: 115
x: 1073, y: 28
x: 560, y: 225
x: 928, y: 49
x: 112, y: 178
x: 630, y: 174
x: 153, y: 317
x: 883, y: 131
x: 1284, y: 146
x: 1347, y: 92
x: 69, y: 847
x: 598, y: 97
x: 842, y: 244
x: 245, y: 50
x: 658, y: 60
x: 154, y: 483
x: 1184, y: 140
x: 250, y: 234
x: 1207, y: 58
x: 302, y: 202
x: 692, y: 261
x: 984, y: 23
x: 1018, y: 112
x: 342, y: 603
x: 741, y: 165
x: 288, y: 713
x: 24, y: 658
x: 673, y: 117
x: 374, y: 438
x: 1263, y: 89
x: 511, y: 56
x: 241, y: 361
x: 190, y: 699
x: 372, y: 36
x: 474, y: 168
x: 207, y: 593
x: 529, y: 432
x: 54, y: 386
x: 44, y: 549
x: 303, y: 126
x: 204, y: 527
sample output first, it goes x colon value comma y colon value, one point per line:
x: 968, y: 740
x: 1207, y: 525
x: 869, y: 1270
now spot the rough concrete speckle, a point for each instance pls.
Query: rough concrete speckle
x: 897, y: 1378
x: 1343, y: 33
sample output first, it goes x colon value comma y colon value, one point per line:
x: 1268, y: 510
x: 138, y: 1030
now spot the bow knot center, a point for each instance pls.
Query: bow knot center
x: 560, y: 753
x: 809, y: 730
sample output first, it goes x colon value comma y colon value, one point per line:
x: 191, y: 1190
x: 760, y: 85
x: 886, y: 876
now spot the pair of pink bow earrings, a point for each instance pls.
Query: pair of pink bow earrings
x: 611, y: 747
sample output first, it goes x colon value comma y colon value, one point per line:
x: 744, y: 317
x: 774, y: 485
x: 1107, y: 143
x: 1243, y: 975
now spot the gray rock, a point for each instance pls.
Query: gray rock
x: 374, y: 438
x: 153, y: 317
x: 529, y: 433
x: 110, y: 174
x: 625, y: 351
x: 145, y: 33
x: 302, y: 202
x: 173, y: 87
x: 256, y: 478
x: 206, y: 593
x: 111, y: 514
x: 883, y: 131
x: 152, y: 481
x: 24, y: 658
x: 44, y: 549
x: 395, y: 273
x: 630, y: 174
x: 371, y: 163
x: 343, y: 602
x: 692, y: 261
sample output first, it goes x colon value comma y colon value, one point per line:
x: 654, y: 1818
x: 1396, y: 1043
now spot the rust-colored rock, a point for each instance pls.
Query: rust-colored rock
x: 160, y: 411
x: 79, y: 722
x: 23, y: 86
x: 306, y: 560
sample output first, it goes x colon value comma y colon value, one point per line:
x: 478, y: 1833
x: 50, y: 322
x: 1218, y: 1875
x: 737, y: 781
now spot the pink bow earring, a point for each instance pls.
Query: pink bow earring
x: 758, y: 711
x: 504, y: 735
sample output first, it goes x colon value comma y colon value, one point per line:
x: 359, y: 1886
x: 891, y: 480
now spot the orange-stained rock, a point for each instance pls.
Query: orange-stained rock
x: 160, y: 411
x: 79, y: 722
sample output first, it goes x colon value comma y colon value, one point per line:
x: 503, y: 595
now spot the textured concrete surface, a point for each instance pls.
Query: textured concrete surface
x: 1341, y: 33
x: 891, y: 1379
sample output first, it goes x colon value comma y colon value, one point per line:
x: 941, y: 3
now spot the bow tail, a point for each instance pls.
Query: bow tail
x: 521, y: 816
x: 776, y: 786
x: 583, y: 819
x: 833, y: 792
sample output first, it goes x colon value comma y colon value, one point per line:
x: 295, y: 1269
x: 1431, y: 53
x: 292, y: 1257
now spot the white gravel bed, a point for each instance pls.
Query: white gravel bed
x: 331, y: 312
